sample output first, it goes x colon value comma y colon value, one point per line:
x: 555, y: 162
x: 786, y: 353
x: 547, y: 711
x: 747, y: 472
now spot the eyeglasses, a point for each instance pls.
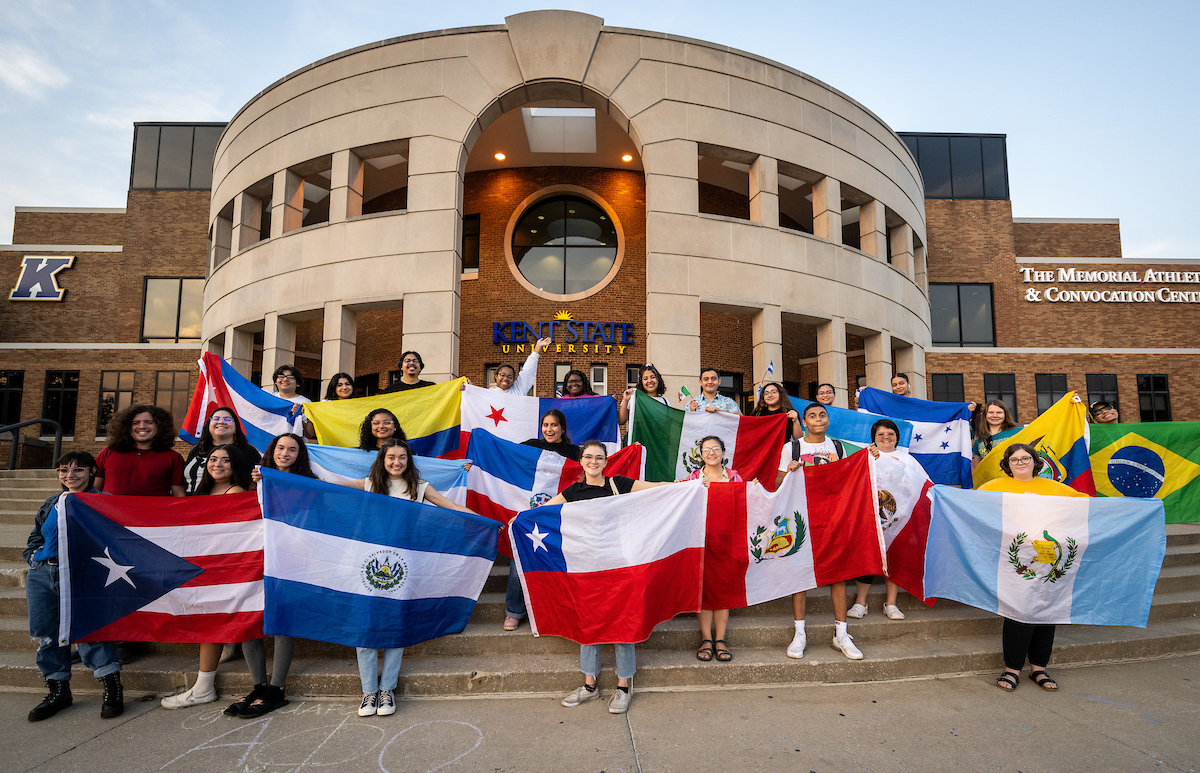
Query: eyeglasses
x: 711, y: 451
x: 285, y: 378
x: 221, y: 420
x: 1021, y: 460
x: 592, y: 458
x: 411, y: 361
x: 71, y: 470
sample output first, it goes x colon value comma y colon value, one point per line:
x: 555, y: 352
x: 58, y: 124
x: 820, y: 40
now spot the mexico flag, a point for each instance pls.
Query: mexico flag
x: 672, y: 440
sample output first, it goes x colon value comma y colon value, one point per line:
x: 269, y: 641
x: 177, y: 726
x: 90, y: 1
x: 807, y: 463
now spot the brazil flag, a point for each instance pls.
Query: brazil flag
x: 1160, y: 460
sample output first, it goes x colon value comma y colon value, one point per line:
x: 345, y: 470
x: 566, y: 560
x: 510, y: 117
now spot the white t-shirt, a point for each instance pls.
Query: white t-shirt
x: 398, y: 489
x: 811, y: 454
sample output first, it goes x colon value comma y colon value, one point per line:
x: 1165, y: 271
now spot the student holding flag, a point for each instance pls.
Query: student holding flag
x: 221, y: 428
x: 997, y: 425
x: 341, y: 387
x: 826, y: 394
x: 650, y: 383
x: 506, y: 379
x: 900, y: 385
x: 885, y: 435
x: 712, y: 452
x: 576, y: 384
x: 773, y: 400
x: 709, y: 399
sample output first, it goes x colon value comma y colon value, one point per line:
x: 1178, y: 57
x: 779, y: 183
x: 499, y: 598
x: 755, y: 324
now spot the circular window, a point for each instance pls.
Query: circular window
x: 565, y: 245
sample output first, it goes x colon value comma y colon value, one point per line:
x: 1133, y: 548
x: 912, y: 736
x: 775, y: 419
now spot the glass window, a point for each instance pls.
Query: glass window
x: 12, y: 389
x: 171, y: 392
x: 600, y: 379
x: 1102, y: 387
x: 470, y: 244
x: 1051, y: 387
x: 172, y: 309
x: 560, y: 374
x: 995, y: 168
x: 204, y: 150
x: 145, y: 157
x: 489, y: 374
x: 1002, y: 387
x: 116, y: 394
x: 61, y: 398
x: 365, y: 385
x: 631, y: 376
x: 174, y: 157
x: 943, y: 315
x: 935, y: 166
x: 948, y: 388
x: 731, y: 386
x: 1154, y: 399
x: 564, y: 245
x: 961, y: 166
x: 961, y: 314
x: 966, y: 163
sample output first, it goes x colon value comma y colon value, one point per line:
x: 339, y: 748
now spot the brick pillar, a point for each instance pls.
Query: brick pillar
x: 827, y: 214
x: 279, y: 345
x: 831, y: 358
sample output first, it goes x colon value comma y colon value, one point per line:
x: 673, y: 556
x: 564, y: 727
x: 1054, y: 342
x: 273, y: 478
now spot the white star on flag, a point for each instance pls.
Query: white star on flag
x: 115, y: 571
x: 538, y: 538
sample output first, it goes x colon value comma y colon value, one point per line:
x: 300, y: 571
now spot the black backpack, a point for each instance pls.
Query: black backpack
x: 837, y: 446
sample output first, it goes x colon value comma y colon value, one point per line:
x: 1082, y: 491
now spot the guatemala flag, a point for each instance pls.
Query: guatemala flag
x: 1046, y: 559
x: 941, y: 440
x: 334, y: 463
x: 518, y: 418
x: 368, y: 570
x: 262, y: 414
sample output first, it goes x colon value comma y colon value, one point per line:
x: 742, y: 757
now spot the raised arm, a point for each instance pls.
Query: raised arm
x: 528, y: 375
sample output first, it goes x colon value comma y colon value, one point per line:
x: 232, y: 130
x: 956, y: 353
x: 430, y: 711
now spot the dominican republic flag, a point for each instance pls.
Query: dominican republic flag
x: 672, y: 440
x: 367, y: 570
x: 333, y: 463
x: 262, y: 414
x: 818, y: 528
x: 1046, y: 559
x: 162, y: 569
x: 1060, y: 436
x: 608, y: 570
x: 902, y: 488
x: 941, y: 440
x: 854, y: 427
x: 519, y: 418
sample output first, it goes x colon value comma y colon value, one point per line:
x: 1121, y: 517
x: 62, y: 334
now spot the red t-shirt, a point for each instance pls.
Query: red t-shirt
x: 140, y: 473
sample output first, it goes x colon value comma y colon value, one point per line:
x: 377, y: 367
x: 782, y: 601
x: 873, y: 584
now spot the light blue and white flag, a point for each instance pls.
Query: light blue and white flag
x: 334, y: 463
x: 854, y: 426
x: 1046, y: 559
x: 367, y: 570
x: 941, y: 439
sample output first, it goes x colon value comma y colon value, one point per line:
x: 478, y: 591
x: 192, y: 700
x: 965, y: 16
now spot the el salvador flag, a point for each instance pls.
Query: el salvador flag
x: 367, y: 570
x: 1046, y: 559
x: 941, y: 439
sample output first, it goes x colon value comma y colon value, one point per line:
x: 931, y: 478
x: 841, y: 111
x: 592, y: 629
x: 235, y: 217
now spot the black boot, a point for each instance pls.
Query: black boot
x: 114, y: 697
x: 58, y: 699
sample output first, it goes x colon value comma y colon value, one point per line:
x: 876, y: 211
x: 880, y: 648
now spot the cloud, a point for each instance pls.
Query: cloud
x: 168, y: 105
x: 26, y: 71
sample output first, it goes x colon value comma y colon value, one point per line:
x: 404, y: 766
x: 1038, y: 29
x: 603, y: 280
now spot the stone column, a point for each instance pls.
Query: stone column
x: 879, y: 359
x: 902, y: 248
x: 919, y: 274
x: 287, y: 203
x: 872, y: 229
x: 431, y: 328
x: 247, y: 220
x: 673, y: 340
x: 831, y: 358
x: 215, y: 346
x: 239, y: 349
x: 222, y: 240
x: 340, y: 341
x: 911, y: 361
x: 827, y: 212
x: 766, y: 330
x: 764, y: 191
x: 346, y: 191
x: 279, y: 345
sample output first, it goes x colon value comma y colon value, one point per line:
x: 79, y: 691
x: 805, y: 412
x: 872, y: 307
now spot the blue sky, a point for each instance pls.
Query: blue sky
x: 1099, y: 100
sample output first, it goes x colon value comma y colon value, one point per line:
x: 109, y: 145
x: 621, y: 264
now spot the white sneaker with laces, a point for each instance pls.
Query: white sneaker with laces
x: 386, y: 703
x: 845, y: 643
x: 796, y: 648
x: 185, y: 699
x: 580, y: 695
x: 620, y: 701
x: 370, y: 705
x: 893, y: 612
x: 858, y: 612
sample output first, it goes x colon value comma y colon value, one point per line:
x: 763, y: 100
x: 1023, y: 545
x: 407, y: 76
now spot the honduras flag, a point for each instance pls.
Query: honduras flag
x: 367, y: 570
x: 941, y: 440
x: 854, y: 426
x: 334, y: 463
x: 518, y: 418
x: 263, y: 415
x: 1046, y: 559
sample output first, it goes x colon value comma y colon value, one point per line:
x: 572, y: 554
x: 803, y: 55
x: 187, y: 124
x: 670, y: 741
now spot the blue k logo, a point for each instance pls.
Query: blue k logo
x: 38, y: 281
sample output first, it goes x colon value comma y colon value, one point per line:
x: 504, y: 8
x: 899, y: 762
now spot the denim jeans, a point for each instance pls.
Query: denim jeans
x: 514, y: 597
x: 41, y: 594
x: 368, y: 669
x: 589, y: 660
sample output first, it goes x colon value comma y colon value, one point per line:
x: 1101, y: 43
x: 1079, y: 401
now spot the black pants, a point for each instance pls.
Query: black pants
x: 1021, y: 639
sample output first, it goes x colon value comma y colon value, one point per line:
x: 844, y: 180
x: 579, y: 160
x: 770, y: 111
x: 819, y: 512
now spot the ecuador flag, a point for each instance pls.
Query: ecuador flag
x: 1160, y: 460
x: 1060, y: 436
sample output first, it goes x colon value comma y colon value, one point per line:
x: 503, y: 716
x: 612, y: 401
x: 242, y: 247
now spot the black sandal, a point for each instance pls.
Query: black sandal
x: 236, y: 709
x: 723, y: 653
x: 1007, y: 681
x: 1046, y: 682
x: 271, y: 699
x: 705, y: 653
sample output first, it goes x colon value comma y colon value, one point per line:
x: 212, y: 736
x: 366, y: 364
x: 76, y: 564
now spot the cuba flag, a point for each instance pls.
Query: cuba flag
x: 367, y: 570
x: 263, y: 415
x: 941, y: 439
x: 1046, y: 559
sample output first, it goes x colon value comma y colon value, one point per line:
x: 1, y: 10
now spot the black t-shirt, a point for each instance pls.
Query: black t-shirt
x: 564, y: 449
x: 577, y: 492
x: 400, y: 386
x: 777, y: 411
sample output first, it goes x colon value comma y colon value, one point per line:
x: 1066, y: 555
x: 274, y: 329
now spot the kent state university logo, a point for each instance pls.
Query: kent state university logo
x: 784, y: 540
x: 39, y: 278
x: 1048, y: 551
x: 385, y: 570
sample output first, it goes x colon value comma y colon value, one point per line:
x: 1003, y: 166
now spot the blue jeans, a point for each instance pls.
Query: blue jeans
x: 368, y: 669
x: 41, y: 594
x: 589, y: 660
x: 514, y: 597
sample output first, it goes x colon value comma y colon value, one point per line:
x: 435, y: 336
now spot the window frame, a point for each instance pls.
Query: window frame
x: 477, y: 220
x: 186, y: 391
x: 101, y: 422
x: 47, y: 391
x: 999, y: 393
x: 1102, y: 394
x: 951, y: 392
x: 959, y: 314
x: 1151, y: 393
x: 592, y: 374
x: 1052, y: 394
x: 7, y: 392
x: 178, y: 308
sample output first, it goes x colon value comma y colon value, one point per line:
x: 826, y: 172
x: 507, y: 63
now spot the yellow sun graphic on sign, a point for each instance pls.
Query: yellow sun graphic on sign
x: 563, y: 316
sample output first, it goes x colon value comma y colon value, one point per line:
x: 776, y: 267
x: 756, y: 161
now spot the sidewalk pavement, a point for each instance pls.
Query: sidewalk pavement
x: 1132, y: 716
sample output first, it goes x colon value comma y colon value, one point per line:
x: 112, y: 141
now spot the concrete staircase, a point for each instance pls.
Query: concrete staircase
x: 947, y: 639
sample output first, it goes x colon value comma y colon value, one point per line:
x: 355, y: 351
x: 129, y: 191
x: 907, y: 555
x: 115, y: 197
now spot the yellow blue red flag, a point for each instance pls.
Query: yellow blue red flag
x: 429, y: 416
x: 1060, y: 436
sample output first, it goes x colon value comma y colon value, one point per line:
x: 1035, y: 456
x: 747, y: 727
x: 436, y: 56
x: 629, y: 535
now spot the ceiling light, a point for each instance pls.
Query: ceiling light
x: 499, y: 156
x: 626, y: 158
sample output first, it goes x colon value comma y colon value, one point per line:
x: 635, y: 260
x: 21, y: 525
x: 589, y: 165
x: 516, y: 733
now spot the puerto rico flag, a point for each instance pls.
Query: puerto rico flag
x: 262, y: 414
x: 517, y: 418
x: 162, y: 569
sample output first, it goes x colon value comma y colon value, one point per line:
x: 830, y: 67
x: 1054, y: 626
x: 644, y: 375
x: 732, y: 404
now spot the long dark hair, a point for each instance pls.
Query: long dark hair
x: 562, y: 422
x: 205, y: 444
x: 379, y: 475
x: 649, y: 366
x: 587, y: 385
x: 331, y: 389
x: 81, y: 459
x: 366, y: 441
x: 120, y: 429
x: 302, y: 466
x: 785, y: 402
x: 239, y: 471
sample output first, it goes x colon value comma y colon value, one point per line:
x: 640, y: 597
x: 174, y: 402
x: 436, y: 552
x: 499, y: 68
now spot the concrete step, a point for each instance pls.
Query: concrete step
x: 1183, y: 534
x: 22, y: 474
x: 1182, y: 555
x: 13, y: 538
x: 49, y: 482
x: 12, y: 574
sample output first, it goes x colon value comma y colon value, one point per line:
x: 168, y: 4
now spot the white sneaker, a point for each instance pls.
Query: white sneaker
x: 796, y: 648
x: 386, y: 702
x: 620, y: 701
x: 845, y: 643
x: 580, y: 695
x: 370, y: 705
x: 893, y: 612
x: 858, y: 612
x: 185, y: 699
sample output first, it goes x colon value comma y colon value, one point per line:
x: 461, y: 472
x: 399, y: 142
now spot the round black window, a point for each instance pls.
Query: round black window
x: 564, y: 245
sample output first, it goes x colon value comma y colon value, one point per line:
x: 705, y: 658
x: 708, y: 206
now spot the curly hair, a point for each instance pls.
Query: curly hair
x: 785, y: 402
x: 302, y: 466
x: 587, y: 384
x: 662, y: 387
x: 366, y: 439
x: 120, y: 429
x: 379, y: 475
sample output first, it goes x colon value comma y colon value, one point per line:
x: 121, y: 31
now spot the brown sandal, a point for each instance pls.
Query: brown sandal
x: 705, y: 653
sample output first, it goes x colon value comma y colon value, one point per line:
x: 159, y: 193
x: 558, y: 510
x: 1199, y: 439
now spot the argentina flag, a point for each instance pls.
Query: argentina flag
x: 941, y: 439
x: 367, y: 570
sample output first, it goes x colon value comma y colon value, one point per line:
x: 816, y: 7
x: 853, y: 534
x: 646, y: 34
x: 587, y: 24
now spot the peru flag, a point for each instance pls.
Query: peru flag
x: 820, y: 527
x: 609, y: 570
x: 160, y: 569
x: 903, y: 487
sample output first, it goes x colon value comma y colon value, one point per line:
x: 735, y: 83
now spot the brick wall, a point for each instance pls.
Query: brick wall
x: 68, y: 227
x: 1067, y: 240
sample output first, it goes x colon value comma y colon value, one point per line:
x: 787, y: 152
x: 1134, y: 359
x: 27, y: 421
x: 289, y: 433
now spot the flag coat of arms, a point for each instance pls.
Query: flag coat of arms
x: 517, y: 418
x: 162, y: 569
x: 1046, y: 559
x: 941, y: 441
x: 818, y: 528
x: 368, y: 570
x: 1060, y: 436
x: 262, y: 415
x: 672, y: 440
x: 902, y: 488
x: 608, y: 570
x: 429, y: 416
x: 1159, y: 460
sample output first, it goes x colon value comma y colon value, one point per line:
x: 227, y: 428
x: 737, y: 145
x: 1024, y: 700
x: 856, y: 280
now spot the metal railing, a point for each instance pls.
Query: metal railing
x: 16, y: 436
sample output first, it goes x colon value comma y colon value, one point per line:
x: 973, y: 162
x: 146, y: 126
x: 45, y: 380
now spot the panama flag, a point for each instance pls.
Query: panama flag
x: 333, y: 463
x: 941, y: 440
x: 162, y: 569
x: 672, y: 440
x: 367, y: 570
x: 1046, y: 559
x: 1060, y: 436
x: 818, y: 528
x: 1160, y: 460
x: 902, y: 487
x: 263, y: 415
x: 519, y: 418
x: 609, y: 570
x: 854, y: 427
